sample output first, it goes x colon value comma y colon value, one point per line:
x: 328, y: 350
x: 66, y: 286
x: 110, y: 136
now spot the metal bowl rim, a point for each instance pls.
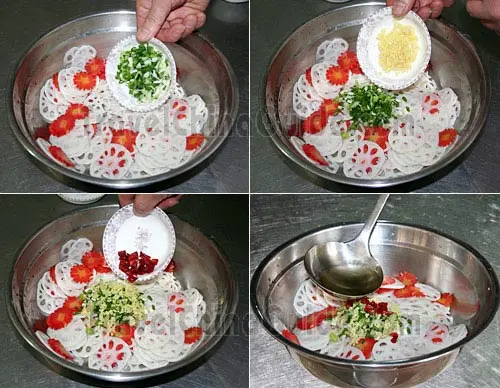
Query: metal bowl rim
x: 119, y: 376
x: 118, y: 183
x: 369, y: 364
x: 375, y: 183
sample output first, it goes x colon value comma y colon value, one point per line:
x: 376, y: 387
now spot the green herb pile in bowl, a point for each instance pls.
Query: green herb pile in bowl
x: 145, y: 71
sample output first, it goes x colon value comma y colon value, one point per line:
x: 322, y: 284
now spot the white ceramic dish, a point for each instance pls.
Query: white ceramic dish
x: 368, y: 49
x: 153, y: 235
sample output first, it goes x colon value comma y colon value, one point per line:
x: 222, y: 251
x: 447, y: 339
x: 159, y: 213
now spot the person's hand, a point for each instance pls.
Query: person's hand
x: 424, y: 8
x: 487, y: 11
x: 145, y: 203
x: 169, y: 20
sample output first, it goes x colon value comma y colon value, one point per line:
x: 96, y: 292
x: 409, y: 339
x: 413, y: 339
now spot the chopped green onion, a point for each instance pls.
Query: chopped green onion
x: 145, y: 72
x: 369, y: 105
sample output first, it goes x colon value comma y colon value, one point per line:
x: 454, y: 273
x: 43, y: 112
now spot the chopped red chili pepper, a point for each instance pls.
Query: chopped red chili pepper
x: 135, y: 264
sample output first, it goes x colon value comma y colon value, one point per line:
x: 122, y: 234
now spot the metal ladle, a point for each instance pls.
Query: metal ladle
x: 347, y: 269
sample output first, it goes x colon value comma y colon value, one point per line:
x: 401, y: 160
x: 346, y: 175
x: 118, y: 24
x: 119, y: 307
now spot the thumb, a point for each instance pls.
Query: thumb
x: 156, y: 17
x: 402, y: 7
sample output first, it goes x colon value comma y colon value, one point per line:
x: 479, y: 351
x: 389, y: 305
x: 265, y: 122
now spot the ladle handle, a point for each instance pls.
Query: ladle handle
x: 364, y: 235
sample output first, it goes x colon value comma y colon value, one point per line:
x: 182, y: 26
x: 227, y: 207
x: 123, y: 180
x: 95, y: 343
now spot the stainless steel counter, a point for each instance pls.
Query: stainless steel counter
x: 223, y: 218
x: 23, y: 21
x: 474, y: 219
x: 274, y: 21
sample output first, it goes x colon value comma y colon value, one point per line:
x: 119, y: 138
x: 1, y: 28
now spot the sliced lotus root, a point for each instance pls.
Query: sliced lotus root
x: 177, y: 149
x: 425, y: 85
x: 146, y: 338
x: 330, y: 50
x: 192, y: 296
x: 147, y: 165
x: 91, y: 345
x: 410, y: 104
x: 303, y: 107
x: 314, y: 294
x: 405, y: 137
x: 176, y: 91
x: 174, y: 354
x: 50, y: 110
x: 68, y: 88
x: 422, y: 307
x: 113, y: 163
x: 430, y: 292
x: 427, y: 152
x: 145, y: 357
x: 180, y: 116
x: 95, y: 150
x: 437, y: 333
x: 152, y: 145
x: 69, y: 55
x: 64, y: 280
x: 50, y: 287
x: 79, y: 56
x: 113, y: 355
x: 356, y: 79
x: 334, y: 349
x: 326, y: 142
x: 435, y: 115
x: 46, y: 303
x: 352, y: 353
x: 193, y: 314
x: 303, y: 304
x: 313, y: 339
x: 176, y: 302
x: 97, y: 108
x: 388, y: 170
x: 331, y: 300
x: 450, y: 100
x: 320, y: 82
x: 74, y: 143
x: 64, y: 252
x: 306, y: 90
x: 403, y: 163
x: 54, y: 346
x: 457, y: 333
x: 199, y: 113
x: 79, y: 248
x: 168, y: 282
x: 156, y: 299
x: 385, y: 350
x: 365, y: 162
x: 73, y: 336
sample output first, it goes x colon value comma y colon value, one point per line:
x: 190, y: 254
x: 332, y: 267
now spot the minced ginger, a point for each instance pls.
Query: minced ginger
x: 398, y: 48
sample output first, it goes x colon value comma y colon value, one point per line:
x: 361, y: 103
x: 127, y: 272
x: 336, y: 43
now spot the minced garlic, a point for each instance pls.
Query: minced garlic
x: 107, y: 304
x: 398, y: 48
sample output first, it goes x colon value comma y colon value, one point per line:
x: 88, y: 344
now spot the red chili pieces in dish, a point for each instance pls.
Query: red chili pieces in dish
x: 135, y: 264
x: 371, y: 307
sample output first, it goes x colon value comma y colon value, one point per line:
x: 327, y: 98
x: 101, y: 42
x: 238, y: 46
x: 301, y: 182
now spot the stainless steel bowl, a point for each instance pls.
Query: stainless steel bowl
x: 436, y: 259
x: 199, y: 263
x: 204, y: 71
x: 455, y: 62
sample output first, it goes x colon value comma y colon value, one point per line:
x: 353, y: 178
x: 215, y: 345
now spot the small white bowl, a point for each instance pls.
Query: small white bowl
x: 120, y: 91
x: 368, y: 49
x: 153, y: 235
x: 81, y: 199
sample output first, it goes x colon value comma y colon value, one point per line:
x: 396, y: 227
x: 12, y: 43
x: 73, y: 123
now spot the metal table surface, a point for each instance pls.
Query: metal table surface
x: 269, y: 170
x: 223, y: 218
x: 24, y: 21
x: 474, y: 219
